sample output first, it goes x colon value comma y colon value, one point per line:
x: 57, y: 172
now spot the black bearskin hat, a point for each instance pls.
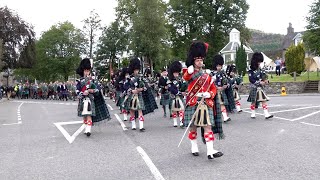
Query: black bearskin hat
x: 134, y: 64
x: 231, y: 68
x: 84, y: 64
x: 197, y: 49
x: 147, y: 72
x: 255, y: 59
x: 123, y: 73
x: 217, y: 60
x: 174, y: 67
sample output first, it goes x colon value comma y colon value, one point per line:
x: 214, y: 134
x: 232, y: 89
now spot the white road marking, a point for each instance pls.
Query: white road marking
x: 318, y: 125
x: 69, y: 138
x: 11, y: 124
x: 302, y: 117
x: 154, y: 170
x: 273, y: 116
x: 110, y: 107
x: 121, y: 122
x: 35, y: 102
x: 268, y: 107
x: 287, y: 110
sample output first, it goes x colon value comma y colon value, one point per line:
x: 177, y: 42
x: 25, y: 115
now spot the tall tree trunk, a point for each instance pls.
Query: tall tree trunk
x: 91, y: 42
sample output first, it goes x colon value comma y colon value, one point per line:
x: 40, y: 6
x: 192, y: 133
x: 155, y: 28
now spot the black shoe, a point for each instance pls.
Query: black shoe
x: 218, y: 154
x: 210, y: 157
x: 271, y: 116
x: 175, y: 126
x: 240, y: 111
x: 88, y: 134
x: 229, y: 119
x: 133, y: 128
x: 195, y: 154
x: 142, y: 130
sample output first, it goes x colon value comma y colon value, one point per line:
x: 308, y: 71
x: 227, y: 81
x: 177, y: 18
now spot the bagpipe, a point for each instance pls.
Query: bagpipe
x: 224, y: 82
x: 261, y: 96
x: 177, y: 103
x: 135, y: 84
x: 86, y: 101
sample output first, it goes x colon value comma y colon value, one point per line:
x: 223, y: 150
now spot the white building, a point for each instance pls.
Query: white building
x: 229, y: 51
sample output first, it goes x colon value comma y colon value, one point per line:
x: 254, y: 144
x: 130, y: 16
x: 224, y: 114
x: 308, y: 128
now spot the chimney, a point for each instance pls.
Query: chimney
x: 290, y: 30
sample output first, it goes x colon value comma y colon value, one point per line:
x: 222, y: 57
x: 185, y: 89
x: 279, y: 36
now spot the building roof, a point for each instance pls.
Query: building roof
x: 289, y: 39
x: 231, y: 47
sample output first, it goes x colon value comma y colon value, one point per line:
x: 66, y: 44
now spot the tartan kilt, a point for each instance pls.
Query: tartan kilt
x: 224, y: 97
x: 231, y: 103
x: 101, y: 110
x: 117, y: 96
x: 252, y: 95
x: 190, y: 110
x: 149, y: 101
x: 120, y: 101
x: 165, y: 99
x: 80, y: 106
x: 130, y: 98
x: 172, y: 100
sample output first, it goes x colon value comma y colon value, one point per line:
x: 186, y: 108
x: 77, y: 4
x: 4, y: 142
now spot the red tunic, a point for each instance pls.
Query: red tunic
x: 202, y: 84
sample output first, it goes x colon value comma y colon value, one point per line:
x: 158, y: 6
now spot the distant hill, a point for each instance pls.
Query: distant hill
x: 268, y: 43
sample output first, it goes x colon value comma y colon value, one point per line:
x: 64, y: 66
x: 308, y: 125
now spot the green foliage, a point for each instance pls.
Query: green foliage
x: 312, y: 36
x: 112, y: 42
x: 241, y: 60
x: 125, y: 62
x: 295, y: 59
x: 209, y: 21
x: 58, y: 52
x: 16, y: 35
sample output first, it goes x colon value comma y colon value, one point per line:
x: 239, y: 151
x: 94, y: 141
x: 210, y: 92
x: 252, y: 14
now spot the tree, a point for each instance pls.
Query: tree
x: 91, y: 26
x: 295, y: 59
x: 1, y: 54
x: 16, y: 34
x: 312, y: 36
x: 145, y: 22
x: 112, y: 43
x: 209, y: 21
x: 241, y: 60
x: 58, y: 52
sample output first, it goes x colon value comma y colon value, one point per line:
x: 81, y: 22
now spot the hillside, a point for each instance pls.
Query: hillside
x: 268, y: 43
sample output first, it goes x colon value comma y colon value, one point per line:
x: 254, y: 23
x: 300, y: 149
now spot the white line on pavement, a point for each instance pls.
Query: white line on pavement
x: 318, y: 125
x: 273, y: 116
x: 294, y: 109
x: 154, y: 170
x: 69, y: 138
x: 268, y: 107
x: 11, y: 124
x: 121, y: 122
x: 302, y: 117
x: 110, y: 107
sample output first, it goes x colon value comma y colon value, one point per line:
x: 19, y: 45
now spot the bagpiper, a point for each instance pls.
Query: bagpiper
x: 235, y: 81
x: 120, y: 83
x: 134, y: 102
x: 258, y: 79
x: 177, y: 89
x: 91, y: 104
x: 221, y: 81
x: 164, y: 91
x: 199, y: 111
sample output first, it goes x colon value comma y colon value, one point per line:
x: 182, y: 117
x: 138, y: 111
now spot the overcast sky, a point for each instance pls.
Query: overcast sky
x: 272, y: 16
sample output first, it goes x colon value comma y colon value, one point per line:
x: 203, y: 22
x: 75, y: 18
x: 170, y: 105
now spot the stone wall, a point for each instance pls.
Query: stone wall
x: 275, y: 88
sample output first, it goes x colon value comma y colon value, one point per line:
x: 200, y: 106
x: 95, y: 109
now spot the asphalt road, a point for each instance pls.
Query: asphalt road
x: 32, y: 147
